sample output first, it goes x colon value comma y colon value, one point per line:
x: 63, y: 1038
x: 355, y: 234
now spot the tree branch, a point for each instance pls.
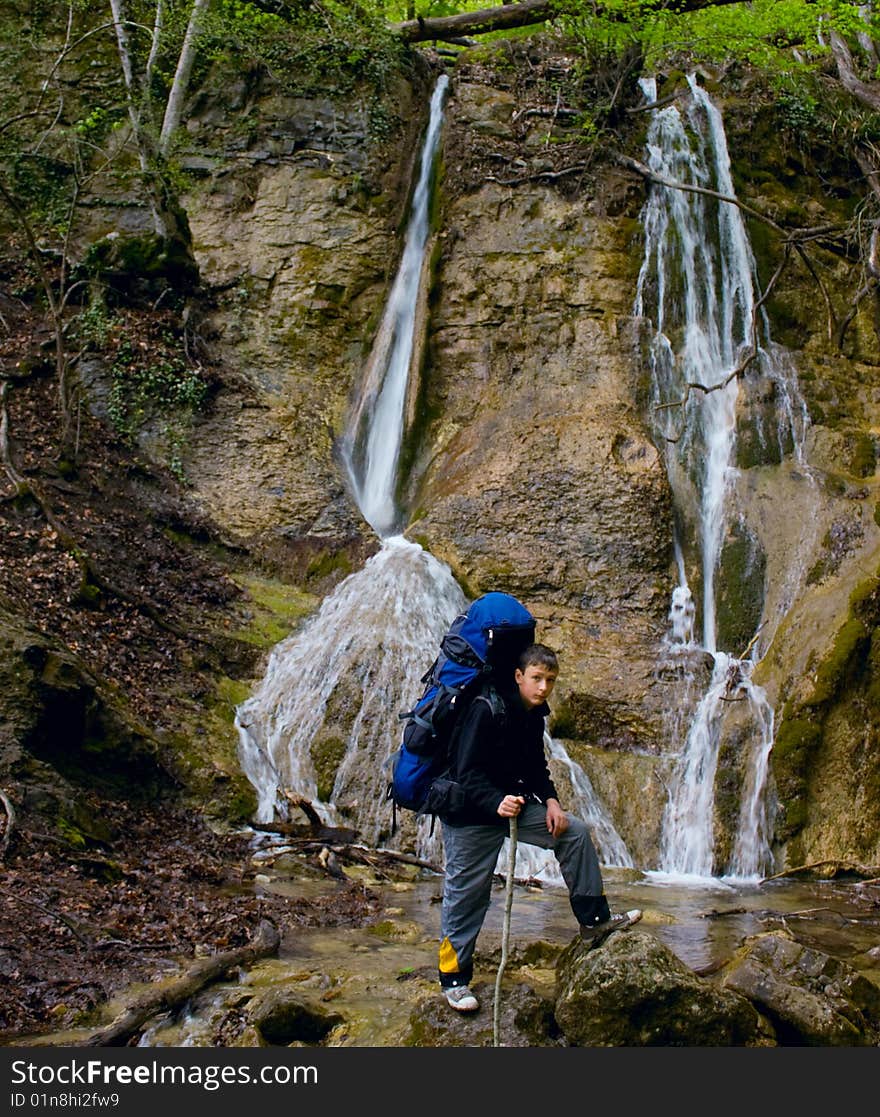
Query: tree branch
x: 672, y: 184
x: 745, y: 361
x: 120, y: 1030
x: 10, y: 822
x: 509, y: 16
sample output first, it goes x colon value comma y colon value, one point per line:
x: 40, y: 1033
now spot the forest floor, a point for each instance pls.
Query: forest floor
x: 77, y: 928
x: 106, y: 565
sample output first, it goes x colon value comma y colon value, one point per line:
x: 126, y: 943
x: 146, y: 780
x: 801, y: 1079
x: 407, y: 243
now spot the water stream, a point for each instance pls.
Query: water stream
x: 372, y: 445
x: 377, y: 981
x: 698, y: 286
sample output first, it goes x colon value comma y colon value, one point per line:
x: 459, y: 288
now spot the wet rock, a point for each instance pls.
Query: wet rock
x: 526, y: 1020
x: 283, y: 1017
x: 811, y: 998
x: 397, y: 930
x: 634, y: 992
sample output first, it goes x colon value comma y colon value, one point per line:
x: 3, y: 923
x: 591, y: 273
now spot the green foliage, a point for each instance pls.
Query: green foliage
x: 155, y: 382
x: 798, y: 111
x: 98, y: 122
x: 322, y: 46
x: 761, y: 33
x: 41, y: 183
x: 94, y: 323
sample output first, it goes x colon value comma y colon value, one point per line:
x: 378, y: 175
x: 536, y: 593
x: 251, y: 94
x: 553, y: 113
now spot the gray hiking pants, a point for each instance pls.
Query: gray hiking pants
x: 471, y: 856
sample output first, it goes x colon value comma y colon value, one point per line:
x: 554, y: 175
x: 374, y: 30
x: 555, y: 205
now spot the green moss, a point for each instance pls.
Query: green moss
x: 740, y: 600
x: 849, y: 645
x: 872, y: 682
x: 864, y: 600
x: 796, y: 740
x: 851, y: 666
x: 793, y: 817
x: 276, y: 608
x: 327, y: 563
x: 326, y: 756
x: 230, y: 694
x: 384, y: 929
x: 863, y: 455
x: 70, y: 835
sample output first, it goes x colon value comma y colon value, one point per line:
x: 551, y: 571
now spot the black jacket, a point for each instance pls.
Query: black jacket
x: 498, y: 750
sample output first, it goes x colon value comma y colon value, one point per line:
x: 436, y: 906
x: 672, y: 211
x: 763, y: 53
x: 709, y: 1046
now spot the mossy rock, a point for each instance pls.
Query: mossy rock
x: 274, y: 609
x: 327, y: 754
x: 740, y: 596
x: 849, y: 651
x: 145, y: 264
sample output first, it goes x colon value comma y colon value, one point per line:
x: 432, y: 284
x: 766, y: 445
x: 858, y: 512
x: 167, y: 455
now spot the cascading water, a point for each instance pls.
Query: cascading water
x: 697, y: 285
x: 358, y: 661
x: 332, y: 692
x: 364, y: 650
x: 372, y: 448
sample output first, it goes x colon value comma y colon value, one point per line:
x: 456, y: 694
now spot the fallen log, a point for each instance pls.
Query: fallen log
x: 505, y: 17
x: 117, y: 1033
x: 452, y: 28
x: 828, y: 869
x: 301, y: 832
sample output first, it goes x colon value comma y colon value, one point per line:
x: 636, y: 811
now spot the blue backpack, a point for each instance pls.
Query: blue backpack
x: 480, y: 645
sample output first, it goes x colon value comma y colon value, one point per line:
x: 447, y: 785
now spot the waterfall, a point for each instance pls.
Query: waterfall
x: 365, y: 649
x: 372, y: 447
x: 335, y: 688
x: 697, y: 285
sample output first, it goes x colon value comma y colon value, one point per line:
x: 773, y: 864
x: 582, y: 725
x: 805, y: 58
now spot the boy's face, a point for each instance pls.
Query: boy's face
x: 535, y: 684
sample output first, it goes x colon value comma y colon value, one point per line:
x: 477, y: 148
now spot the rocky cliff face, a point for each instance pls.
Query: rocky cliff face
x: 294, y: 221
x: 530, y: 464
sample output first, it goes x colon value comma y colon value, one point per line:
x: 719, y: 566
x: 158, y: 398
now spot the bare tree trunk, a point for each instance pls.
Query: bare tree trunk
x: 507, y: 16
x: 169, y: 220
x: 180, y: 85
x: 866, y: 92
x: 158, y: 25
x: 865, y: 41
x: 143, y: 140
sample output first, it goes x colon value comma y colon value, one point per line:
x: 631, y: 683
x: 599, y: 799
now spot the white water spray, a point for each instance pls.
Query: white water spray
x: 365, y: 649
x: 697, y: 284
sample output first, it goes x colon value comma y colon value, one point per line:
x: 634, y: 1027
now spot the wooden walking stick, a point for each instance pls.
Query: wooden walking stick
x: 505, y: 932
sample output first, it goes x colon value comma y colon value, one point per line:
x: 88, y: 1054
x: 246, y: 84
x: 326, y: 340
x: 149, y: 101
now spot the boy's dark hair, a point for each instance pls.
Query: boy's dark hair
x: 538, y: 655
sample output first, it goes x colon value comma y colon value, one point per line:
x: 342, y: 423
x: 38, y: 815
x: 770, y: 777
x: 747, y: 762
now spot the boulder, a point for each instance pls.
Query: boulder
x: 635, y: 992
x: 282, y: 1017
x: 526, y: 1020
x: 811, y: 999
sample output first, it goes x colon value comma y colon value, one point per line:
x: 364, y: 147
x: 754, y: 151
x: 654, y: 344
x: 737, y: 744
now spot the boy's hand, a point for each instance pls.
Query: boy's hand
x: 557, y: 819
x: 511, y: 805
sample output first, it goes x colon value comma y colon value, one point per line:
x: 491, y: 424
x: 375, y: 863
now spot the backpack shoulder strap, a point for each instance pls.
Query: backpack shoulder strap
x: 494, y: 701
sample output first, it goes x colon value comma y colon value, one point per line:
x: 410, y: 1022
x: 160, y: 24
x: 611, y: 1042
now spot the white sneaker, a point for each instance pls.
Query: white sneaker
x: 461, y: 998
x: 598, y: 934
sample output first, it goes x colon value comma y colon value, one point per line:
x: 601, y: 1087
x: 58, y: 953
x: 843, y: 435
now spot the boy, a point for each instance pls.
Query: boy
x: 502, y: 769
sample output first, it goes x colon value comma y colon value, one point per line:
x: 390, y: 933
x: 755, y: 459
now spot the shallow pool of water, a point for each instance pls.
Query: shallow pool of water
x: 375, y: 979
